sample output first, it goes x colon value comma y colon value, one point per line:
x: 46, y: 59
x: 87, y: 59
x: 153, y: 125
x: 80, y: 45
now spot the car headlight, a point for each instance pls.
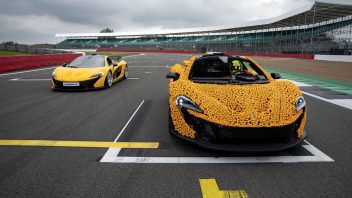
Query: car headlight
x: 53, y: 75
x: 300, y: 103
x: 97, y: 75
x: 184, y: 102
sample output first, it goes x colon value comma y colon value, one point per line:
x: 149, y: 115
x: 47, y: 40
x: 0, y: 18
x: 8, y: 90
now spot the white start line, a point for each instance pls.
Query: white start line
x: 317, y: 156
x: 115, y: 151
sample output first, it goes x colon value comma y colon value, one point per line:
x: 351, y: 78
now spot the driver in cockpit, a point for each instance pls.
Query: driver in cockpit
x: 236, y: 67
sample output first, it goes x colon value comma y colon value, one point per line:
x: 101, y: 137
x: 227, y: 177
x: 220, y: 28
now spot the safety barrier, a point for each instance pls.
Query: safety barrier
x: 149, y: 51
x: 301, y: 56
x: 338, y: 58
x: 14, y: 63
x: 28, y: 49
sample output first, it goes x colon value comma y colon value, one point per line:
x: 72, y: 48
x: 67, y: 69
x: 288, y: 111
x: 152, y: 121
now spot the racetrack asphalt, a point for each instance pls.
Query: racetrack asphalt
x: 30, y: 110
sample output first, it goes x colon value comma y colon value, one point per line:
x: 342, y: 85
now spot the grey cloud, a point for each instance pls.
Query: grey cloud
x: 128, y: 15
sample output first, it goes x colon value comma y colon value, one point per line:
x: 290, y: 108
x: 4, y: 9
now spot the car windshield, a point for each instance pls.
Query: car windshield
x: 87, y: 62
x: 222, y: 70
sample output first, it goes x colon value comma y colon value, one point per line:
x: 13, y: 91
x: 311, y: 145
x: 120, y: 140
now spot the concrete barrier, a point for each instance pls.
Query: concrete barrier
x: 301, y: 56
x: 14, y: 63
x: 338, y: 58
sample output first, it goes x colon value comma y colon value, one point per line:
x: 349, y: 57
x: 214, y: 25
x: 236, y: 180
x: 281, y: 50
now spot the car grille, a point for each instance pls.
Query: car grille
x: 82, y: 84
x: 223, y: 134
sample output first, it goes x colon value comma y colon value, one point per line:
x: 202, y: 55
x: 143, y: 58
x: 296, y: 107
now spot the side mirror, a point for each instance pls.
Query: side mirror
x: 275, y: 75
x: 64, y: 65
x: 173, y: 75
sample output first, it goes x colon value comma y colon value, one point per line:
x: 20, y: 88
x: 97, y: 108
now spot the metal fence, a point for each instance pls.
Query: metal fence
x: 29, y: 50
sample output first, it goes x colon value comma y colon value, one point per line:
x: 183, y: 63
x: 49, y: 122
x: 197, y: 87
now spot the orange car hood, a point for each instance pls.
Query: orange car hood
x: 76, y: 74
x: 251, y: 105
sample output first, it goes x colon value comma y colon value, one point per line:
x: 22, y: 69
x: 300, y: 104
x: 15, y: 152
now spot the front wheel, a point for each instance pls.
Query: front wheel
x: 125, y: 73
x: 108, y: 80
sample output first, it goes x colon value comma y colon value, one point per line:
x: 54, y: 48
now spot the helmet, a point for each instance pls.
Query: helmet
x: 236, y: 67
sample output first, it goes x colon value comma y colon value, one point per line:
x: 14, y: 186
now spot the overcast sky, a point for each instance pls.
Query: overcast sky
x: 37, y: 21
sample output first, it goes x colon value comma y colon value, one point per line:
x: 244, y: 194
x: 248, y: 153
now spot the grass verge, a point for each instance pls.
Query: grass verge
x: 334, y: 85
x: 7, y: 53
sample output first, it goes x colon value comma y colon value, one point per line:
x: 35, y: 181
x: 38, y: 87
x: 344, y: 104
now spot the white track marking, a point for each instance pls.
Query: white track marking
x: 47, y: 79
x: 26, y: 71
x: 146, y: 66
x: 318, y: 156
x: 154, y: 61
x: 346, y: 103
x: 300, y: 84
x: 133, y: 56
x: 113, y: 152
x: 278, y: 59
x: 124, y: 128
x: 316, y: 152
x: 212, y: 160
x: 32, y: 79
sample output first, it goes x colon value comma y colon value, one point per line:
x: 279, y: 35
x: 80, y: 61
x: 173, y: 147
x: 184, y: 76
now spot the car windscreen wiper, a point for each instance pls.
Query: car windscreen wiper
x: 71, y: 66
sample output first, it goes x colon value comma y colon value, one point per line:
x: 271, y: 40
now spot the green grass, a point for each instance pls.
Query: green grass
x: 335, y: 85
x: 110, y: 53
x: 7, y: 53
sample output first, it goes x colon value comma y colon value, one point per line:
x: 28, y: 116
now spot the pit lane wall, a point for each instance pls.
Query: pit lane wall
x: 14, y: 63
x: 338, y: 58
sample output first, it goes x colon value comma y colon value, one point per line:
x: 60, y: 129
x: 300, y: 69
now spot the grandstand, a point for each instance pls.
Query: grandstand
x: 322, y: 26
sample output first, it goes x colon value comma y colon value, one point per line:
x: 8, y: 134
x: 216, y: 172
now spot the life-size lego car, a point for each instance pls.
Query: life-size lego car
x: 90, y: 72
x: 246, y: 111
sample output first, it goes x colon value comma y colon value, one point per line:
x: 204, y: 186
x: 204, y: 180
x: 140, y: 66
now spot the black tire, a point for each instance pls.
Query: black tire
x: 108, y: 80
x: 125, y: 72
